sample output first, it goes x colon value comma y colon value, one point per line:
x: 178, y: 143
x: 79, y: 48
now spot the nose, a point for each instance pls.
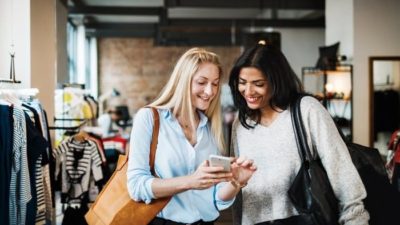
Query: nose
x: 208, y: 90
x: 248, y: 89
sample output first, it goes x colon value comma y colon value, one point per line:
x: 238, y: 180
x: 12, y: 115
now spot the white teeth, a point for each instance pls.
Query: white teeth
x: 252, y: 99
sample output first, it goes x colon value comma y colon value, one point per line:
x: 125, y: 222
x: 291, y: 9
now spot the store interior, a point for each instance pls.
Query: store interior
x: 79, y: 63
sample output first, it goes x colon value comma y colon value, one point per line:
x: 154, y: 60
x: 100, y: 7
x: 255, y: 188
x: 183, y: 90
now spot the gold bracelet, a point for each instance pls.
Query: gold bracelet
x: 237, y: 184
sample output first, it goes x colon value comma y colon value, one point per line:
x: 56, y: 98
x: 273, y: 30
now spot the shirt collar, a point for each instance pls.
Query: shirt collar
x: 203, y: 119
x: 167, y: 114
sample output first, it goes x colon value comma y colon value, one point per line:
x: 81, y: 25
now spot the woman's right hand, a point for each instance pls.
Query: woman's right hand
x: 206, y: 176
x: 242, y: 170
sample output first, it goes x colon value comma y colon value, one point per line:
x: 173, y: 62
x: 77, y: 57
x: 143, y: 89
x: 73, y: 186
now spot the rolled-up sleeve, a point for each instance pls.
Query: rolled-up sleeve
x: 220, y: 204
x: 138, y: 175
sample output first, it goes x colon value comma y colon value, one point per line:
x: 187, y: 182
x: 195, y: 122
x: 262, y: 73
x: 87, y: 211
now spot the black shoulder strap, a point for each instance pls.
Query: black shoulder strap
x: 299, y: 130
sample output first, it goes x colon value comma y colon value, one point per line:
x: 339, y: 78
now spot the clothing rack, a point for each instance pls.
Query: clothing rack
x: 12, y: 72
x: 27, y: 123
x: 76, y: 85
x: 74, y: 88
x: 69, y: 119
x: 21, y: 92
x: 69, y: 128
x: 16, y: 96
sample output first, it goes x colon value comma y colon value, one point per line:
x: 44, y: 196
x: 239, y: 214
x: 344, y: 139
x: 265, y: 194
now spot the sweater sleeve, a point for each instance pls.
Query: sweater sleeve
x: 335, y: 157
x: 234, y: 146
x: 237, y: 205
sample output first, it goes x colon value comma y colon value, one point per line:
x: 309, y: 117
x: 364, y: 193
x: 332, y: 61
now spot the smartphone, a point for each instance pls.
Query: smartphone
x: 216, y: 160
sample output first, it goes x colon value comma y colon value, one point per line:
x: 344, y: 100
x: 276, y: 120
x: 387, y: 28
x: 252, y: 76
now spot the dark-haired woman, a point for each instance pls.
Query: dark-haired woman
x: 263, y: 85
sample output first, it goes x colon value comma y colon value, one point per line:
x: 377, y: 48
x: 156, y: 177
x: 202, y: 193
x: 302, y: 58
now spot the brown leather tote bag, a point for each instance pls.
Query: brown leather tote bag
x: 114, y: 205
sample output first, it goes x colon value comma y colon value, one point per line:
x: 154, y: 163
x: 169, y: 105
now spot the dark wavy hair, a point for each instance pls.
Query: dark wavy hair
x: 283, y: 84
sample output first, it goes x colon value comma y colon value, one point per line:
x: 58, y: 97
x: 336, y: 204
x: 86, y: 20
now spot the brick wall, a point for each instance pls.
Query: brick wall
x: 139, y: 70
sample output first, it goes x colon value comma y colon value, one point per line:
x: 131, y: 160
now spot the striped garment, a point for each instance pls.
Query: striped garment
x: 78, y: 161
x: 115, y: 143
x: 41, y: 206
x: 47, y: 194
x: 20, y: 186
x: 39, y: 179
x: 46, y: 170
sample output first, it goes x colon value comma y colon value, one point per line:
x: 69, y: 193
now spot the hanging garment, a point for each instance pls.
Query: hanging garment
x: 94, y: 105
x: 117, y: 143
x: 386, y: 111
x: 20, y: 187
x: 27, y: 189
x: 48, y: 198
x: 36, y: 147
x: 75, y: 215
x: 6, y: 148
x: 394, y: 147
x: 396, y: 171
x: 100, y: 146
x: 79, y: 160
x: 40, y: 168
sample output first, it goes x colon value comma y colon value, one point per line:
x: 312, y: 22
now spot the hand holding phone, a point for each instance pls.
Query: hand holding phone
x: 216, y: 160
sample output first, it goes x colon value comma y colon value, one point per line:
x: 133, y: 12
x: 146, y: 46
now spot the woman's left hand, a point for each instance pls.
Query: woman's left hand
x: 242, y: 169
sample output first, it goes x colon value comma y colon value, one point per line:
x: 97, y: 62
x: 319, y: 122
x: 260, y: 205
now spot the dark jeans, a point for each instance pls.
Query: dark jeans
x: 294, y: 220
x: 160, y: 221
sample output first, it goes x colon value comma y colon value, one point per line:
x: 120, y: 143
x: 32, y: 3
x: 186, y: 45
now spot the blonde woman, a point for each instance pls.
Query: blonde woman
x: 190, y: 130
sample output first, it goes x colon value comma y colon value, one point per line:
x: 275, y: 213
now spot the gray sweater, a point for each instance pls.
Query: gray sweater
x: 275, y: 153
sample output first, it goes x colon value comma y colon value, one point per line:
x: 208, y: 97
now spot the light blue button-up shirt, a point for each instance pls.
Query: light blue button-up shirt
x: 175, y: 157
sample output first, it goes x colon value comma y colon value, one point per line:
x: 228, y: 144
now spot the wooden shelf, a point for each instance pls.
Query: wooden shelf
x: 343, y: 103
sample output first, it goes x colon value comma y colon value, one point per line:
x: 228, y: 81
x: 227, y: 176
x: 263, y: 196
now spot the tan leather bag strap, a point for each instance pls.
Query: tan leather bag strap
x: 154, y: 140
x: 153, y: 145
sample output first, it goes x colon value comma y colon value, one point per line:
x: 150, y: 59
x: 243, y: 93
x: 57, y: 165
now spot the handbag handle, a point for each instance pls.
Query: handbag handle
x: 311, y: 191
x: 154, y: 140
x: 299, y: 130
x: 153, y: 145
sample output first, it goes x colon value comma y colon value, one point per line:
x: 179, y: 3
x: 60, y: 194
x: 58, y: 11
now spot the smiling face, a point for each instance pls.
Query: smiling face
x: 205, y: 84
x: 253, y: 87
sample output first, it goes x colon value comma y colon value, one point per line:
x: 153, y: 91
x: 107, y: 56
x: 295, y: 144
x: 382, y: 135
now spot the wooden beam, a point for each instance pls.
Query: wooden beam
x: 77, y: 3
x: 103, y: 10
x: 278, y: 4
x: 122, y: 26
x: 122, y: 30
x: 120, y: 33
x: 295, y: 23
x: 196, y: 39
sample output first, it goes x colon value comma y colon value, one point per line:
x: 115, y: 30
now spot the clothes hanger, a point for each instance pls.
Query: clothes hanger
x: 4, y: 102
x: 11, y: 98
x: 81, y: 136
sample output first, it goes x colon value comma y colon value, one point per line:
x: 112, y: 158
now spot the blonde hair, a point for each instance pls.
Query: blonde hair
x: 176, y: 94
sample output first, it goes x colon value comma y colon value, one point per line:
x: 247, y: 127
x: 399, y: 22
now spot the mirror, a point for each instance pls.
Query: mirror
x: 385, y: 100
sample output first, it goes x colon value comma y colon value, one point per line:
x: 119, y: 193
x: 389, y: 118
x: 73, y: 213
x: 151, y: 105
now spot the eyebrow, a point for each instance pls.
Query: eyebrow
x: 253, y: 81
x: 208, y: 79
